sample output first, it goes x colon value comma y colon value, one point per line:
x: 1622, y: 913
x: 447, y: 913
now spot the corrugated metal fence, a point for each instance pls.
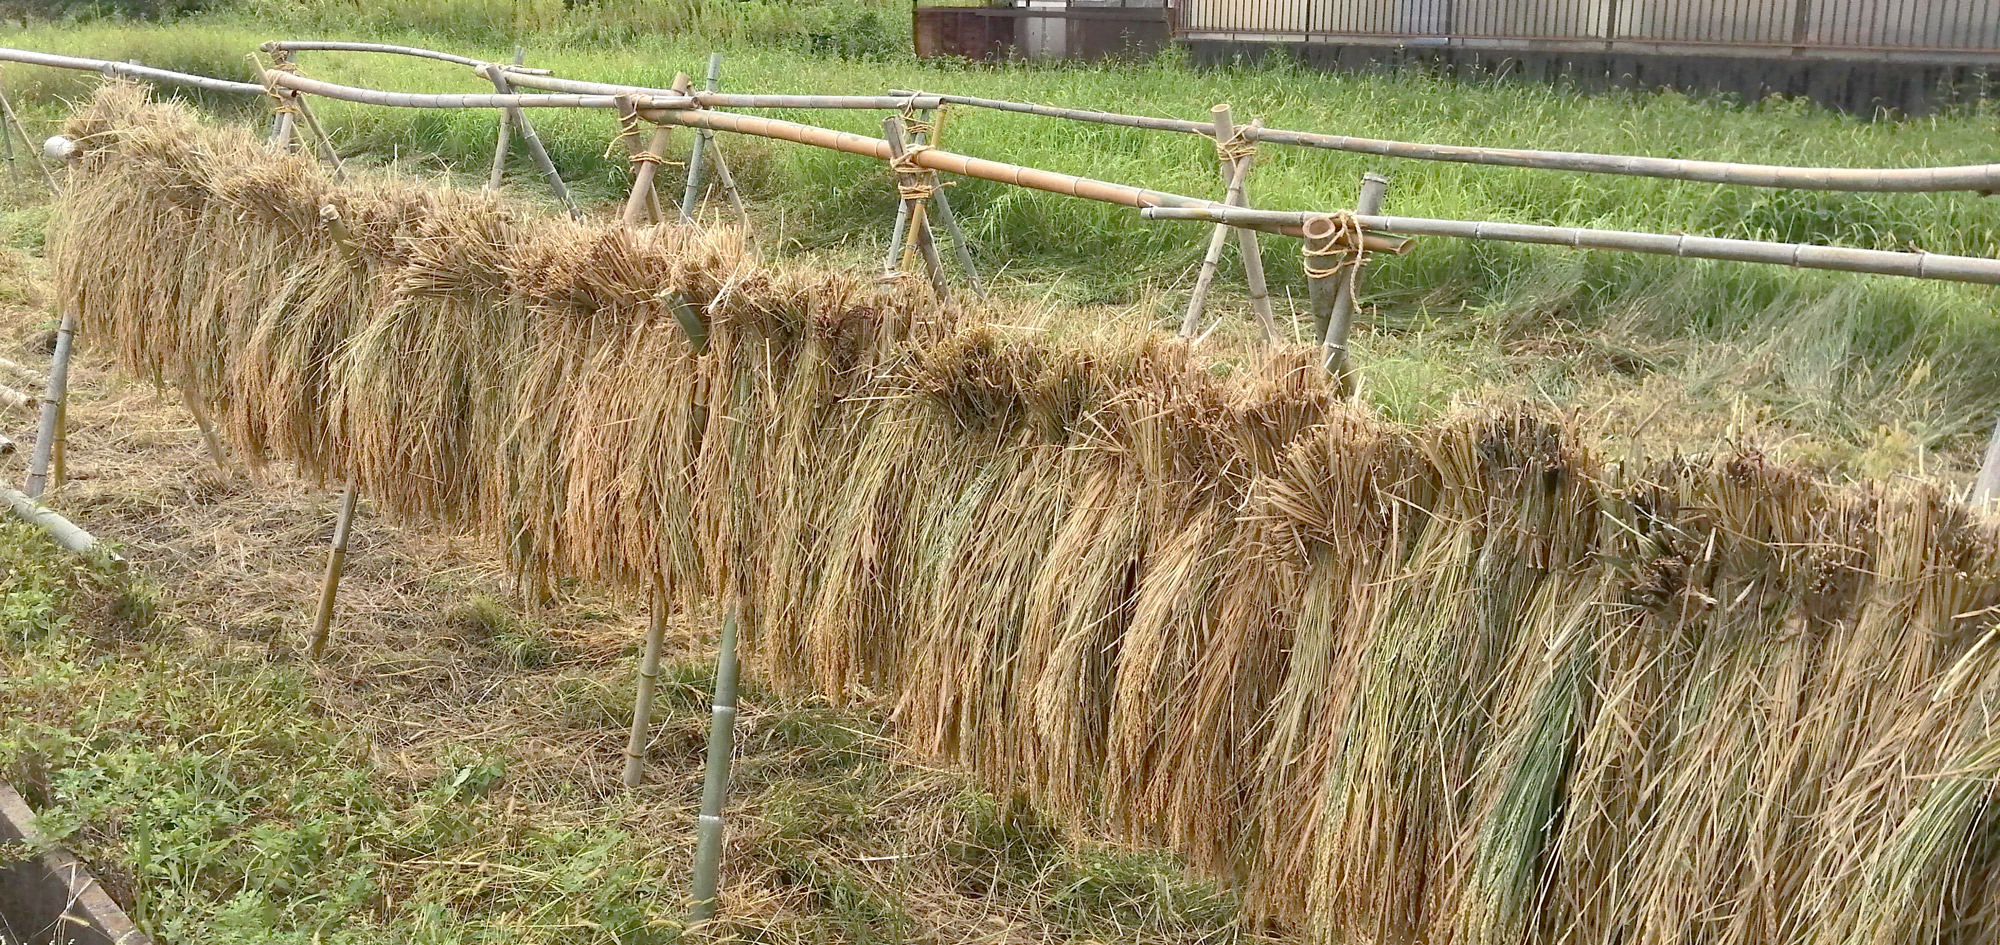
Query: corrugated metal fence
x: 1925, y: 30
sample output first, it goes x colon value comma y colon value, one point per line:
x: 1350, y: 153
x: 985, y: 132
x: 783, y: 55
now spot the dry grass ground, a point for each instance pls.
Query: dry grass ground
x: 443, y: 671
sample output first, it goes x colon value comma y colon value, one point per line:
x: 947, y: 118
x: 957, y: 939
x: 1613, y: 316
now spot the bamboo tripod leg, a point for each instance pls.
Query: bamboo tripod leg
x: 336, y: 563
x: 1340, y: 311
x: 59, y: 449
x: 697, y: 169
x: 281, y: 136
x: 53, y: 395
x: 642, y: 197
x: 1986, y: 488
x: 729, y: 190
x: 502, y: 137
x: 960, y: 245
x: 207, y: 428
x: 649, y: 676
x: 892, y: 130
x: 323, y: 141
x: 7, y: 143
x: 1210, y: 261
x: 892, y: 262
x: 27, y: 142
x: 533, y: 142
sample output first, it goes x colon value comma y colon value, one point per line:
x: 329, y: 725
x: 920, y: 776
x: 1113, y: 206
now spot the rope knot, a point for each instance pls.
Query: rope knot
x: 1237, y: 147
x: 1335, y: 242
x: 914, y: 181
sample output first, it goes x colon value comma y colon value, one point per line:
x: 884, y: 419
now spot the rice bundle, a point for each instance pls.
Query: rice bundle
x: 1459, y: 683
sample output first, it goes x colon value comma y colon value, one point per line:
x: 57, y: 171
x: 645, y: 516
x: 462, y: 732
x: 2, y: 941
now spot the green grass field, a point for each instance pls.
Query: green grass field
x: 1849, y: 362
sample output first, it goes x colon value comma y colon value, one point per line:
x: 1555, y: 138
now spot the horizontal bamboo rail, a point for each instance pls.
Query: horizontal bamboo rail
x: 349, y: 93
x: 65, y: 532
x: 310, y: 45
x: 1982, y: 178
x: 1798, y: 255
x: 127, y: 70
x: 548, y: 83
x: 1030, y: 177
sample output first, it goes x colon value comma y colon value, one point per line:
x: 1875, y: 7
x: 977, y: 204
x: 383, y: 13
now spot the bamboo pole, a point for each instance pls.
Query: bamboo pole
x: 649, y: 676
x: 9, y: 397
x: 501, y: 136
x: 23, y: 373
x: 644, y: 159
x: 7, y: 445
x: 498, y: 77
x: 649, y: 100
x: 1235, y: 177
x: 709, y: 829
x: 1986, y: 488
x: 314, y: 45
x: 960, y: 244
x: 126, y: 70
x: 1338, y: 311
x: 66, y: 533
x: 336, y: 563
x: 52, y: 401
x: 1798, y: 255
x: 34, y: 151
x: 1983, y: 178
x: 697, y: 169
x: 323, y: 140
x: 914, y: 188
x: 728, y: 179
x: 59, y: 450
x: 7, y: 143
x: 207, y: 428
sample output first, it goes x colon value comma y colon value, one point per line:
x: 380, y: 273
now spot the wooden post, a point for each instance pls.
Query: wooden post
x: 515, y: 114
x: 202, y: 423
x: 914, y: 185
x: 52, y: 403
x: 1333, y: 304
x: 34, y: 151
x: 501, y: 137
x: 696, y: 168
x: 649, y: 676
x: 336, y: 563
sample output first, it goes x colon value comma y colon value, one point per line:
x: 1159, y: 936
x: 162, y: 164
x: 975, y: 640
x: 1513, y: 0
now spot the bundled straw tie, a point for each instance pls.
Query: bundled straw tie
x: 914, y: 181
x: 1344, y: 249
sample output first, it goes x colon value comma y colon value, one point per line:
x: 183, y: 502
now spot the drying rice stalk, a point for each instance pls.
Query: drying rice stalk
x: 1463, y: 683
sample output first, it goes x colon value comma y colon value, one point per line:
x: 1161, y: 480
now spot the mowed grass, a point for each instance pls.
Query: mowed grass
x: 1847, y: 360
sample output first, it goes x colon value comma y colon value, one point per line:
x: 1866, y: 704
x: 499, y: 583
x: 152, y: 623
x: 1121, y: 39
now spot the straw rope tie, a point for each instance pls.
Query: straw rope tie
x: 628, y: 130
x: 1345, y: 248
x: 915, y: 181
x: 1237, y: 147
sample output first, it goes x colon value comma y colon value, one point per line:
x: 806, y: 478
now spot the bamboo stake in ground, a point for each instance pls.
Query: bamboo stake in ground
x: 52, y: 403
x: 7, y: 143
x: 208, y: 437
x: 324, y: 140
x: 697, y: 168
x: 500, y: 137
x: 1335, y: 253
x: 915, y: 183
x: 649, y: 676
x: 497, y: 75
x: 336, y: 563
x: 729, y: 190
x: 29, y: 143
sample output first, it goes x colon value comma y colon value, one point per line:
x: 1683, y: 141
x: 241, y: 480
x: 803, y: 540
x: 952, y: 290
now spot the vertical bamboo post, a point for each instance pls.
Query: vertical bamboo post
x: 281, y: 136
x: 336, y: 563
x: 498, y: 77
x: 697, y: 168
x: 501, y: 137
x: 649, y: 676
x: 53, y: 395
x: 1333, y: 305
x: 722, y: 720
x: 207, y: 428
x: 1986, y: 488
x: 59, y: 450
x: 7, y: 143
x: 29, y: 143
x: 915, y: 186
